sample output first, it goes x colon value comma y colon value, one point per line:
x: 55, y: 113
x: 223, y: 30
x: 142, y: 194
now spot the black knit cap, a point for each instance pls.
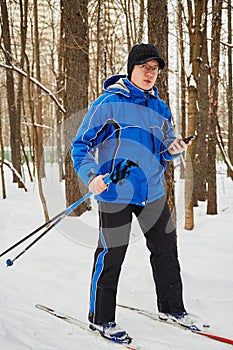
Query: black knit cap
x: 143, y: 53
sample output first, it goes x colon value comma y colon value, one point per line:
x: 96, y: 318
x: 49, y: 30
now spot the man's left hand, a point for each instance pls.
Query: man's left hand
x: 178, y: 146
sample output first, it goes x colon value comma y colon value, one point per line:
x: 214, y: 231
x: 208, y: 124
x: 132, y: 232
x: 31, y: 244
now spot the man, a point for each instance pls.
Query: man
x: 130, y: 121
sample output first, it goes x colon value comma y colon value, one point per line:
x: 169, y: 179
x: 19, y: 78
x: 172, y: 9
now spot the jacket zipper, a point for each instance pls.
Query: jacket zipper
x: 146, y: 98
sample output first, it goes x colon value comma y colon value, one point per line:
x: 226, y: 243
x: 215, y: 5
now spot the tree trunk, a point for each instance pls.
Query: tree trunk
x: 60, y: 86
x: 15, y: 127
x: 38, y: 92
x: 2, y: 154
x: 158, y: 35
x: 76, y: 62
x: 35, y: 143
x: 229, y: 90
x: 101, y: 72
x: 203, y: 103
x: 213, y: 107
x: 23, y: 37
x: 182, y: 80
x: 141, y: 21
x: 196, y: 25
x: 127, y: 24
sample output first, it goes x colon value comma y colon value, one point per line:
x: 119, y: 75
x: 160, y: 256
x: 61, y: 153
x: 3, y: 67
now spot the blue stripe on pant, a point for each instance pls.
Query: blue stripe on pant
x: 99, y: 266
x: 109, y: 256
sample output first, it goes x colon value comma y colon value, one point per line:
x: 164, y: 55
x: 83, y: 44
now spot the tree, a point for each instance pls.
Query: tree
x: 35, y: 141
x: 15, y: 126
x: 230, y: 89
x: 23, y: 39
x: 101, y: 59
x: 141, y: 21
x: 202, y: 113
x: 196, y: 24
x: 60, y: 85
x: 38, y: 91
x: 182, y: 79
x: 76, y: 65
x: 158, y: 35
x: 2, y: 155
x: 213, y: 106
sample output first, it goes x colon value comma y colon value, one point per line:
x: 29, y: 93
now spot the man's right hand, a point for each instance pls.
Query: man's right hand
x: 97, y: 185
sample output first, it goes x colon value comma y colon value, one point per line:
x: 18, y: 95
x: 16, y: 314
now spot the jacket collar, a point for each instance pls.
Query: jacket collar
x: 119, y: 84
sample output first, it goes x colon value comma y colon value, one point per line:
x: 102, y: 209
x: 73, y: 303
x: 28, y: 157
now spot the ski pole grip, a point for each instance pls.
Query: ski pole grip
x: 120, y: 171
x: 107, y: 179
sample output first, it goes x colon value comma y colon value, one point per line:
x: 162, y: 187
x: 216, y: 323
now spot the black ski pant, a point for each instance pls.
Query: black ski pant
x: 115, y: 224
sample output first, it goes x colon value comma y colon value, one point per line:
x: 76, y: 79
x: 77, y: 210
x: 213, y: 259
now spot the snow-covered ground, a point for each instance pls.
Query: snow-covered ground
x: 56, y: 272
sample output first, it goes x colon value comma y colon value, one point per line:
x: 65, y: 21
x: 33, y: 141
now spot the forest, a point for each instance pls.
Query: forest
x: 55, y: 56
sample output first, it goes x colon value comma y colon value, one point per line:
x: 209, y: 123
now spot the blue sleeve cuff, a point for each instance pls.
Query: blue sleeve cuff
x: 168, y: 157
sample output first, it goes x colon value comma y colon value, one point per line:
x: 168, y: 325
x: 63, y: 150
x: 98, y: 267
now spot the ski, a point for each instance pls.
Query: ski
x: 82, y: 325
x: 156, y: 317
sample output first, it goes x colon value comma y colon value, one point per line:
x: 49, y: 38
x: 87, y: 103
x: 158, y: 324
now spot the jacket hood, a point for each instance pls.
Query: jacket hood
x: 119, y: 84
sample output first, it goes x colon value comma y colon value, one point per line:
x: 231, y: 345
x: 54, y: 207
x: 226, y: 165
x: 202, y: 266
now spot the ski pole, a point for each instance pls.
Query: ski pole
x: 54, y: 222
x: 65, y: 212
x: 116, y: 175
x: 32, y: 233
x: 62, y: 214
x: 59, y: 217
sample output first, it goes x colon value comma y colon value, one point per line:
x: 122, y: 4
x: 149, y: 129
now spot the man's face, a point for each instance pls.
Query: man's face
x: 144, y: 75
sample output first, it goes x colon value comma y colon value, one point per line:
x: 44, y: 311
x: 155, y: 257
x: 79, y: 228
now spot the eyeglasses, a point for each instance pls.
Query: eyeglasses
x: 146, y: 68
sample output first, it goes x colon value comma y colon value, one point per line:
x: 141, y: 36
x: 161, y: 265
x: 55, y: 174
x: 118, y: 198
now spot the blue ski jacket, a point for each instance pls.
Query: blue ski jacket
x: 125, y: 122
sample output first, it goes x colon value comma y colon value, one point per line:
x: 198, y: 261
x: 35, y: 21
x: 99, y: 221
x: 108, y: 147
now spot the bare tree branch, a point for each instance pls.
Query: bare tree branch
x: 15, y: 172
x: 43, y: 126
x: 35, y: 81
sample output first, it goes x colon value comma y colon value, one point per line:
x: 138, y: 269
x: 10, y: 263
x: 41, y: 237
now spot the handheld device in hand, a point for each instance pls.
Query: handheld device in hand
x: 190, y: 138
x: 186, y: 140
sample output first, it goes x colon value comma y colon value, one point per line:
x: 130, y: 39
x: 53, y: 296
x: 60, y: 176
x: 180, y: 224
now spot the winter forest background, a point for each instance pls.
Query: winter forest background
x: 55, y: 55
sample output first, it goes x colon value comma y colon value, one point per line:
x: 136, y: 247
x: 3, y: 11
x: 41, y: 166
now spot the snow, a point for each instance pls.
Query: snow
x: 56, y: 272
